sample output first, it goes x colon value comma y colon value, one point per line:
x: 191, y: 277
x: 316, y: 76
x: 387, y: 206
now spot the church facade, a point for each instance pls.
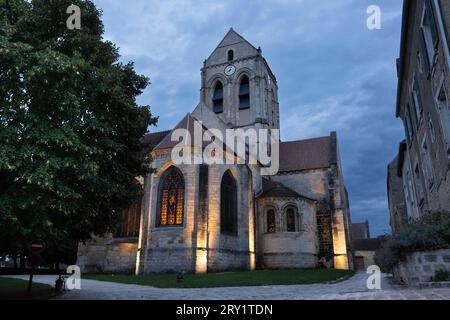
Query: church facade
x: 198, y: 218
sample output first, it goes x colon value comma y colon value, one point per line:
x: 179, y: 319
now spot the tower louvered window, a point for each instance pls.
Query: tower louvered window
x: 244, y: 94
x: 218, y: 98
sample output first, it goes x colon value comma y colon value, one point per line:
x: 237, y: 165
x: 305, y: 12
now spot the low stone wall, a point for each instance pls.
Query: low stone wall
x: 289, y: 260
x: 421, y: 267
x: 108, y: 255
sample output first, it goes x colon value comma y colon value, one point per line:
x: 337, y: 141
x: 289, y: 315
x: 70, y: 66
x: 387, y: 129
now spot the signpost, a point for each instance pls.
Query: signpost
x: 35, y: 259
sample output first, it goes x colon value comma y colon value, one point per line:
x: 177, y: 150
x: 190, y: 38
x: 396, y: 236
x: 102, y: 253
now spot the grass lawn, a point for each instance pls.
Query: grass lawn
x: 16, y: 289
x: 230, y: 279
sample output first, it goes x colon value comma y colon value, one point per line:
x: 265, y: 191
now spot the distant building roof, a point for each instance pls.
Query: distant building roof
x: 305, y: 154
x: 372, y: 244
x: 360, y: 230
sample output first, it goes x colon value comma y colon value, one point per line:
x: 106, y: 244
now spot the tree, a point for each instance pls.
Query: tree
x: 70, y: 126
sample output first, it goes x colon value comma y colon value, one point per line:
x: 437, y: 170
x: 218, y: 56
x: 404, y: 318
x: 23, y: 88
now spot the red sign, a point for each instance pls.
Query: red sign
x: 37, y: 246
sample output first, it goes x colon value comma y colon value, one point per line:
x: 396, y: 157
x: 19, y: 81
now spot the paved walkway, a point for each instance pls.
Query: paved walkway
x: 350, y: 289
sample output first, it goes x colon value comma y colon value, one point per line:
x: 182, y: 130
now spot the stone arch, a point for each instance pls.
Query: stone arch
x: 217, y: 77
x: 244, y: 72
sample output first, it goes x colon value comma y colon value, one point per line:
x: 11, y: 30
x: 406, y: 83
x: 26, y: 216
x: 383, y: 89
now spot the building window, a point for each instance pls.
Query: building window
x: 271, y: 221
x: 290, y: 220
x: 130, y: 221
x: 432, y: 131
x: 426, y: 164
x: 417, y: 101
x: 230, y: 55
x: 444, y: 112
x: 418, y: 185
x: 244, y: 93
x: 408, y: 127
x: 429, y: 33
x: 171, y: 198
x: 228, y: 204
x: 218, y: 98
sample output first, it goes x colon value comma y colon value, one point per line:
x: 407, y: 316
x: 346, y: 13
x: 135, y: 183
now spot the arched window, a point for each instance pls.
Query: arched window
x: 228, y: 205
x: 218, y: 98
x: 271, y: 223
x: 244, y: 93
x: 171, y: 198
x: 230, y: 55
x: 290, y: 220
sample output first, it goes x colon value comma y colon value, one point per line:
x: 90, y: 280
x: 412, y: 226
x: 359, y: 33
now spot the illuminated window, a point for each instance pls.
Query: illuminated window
x: 171, y: 198
x: 228, y: 204
x: 290, y: 220
x: 218, y: 98
x: 271, y: 224
x: 244, y: 93
x: 130, y: 221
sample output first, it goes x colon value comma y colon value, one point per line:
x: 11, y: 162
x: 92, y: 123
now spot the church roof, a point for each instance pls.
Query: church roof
x: 276, y: 189
x: 305, y: 154
x: 372, y: 244
x: 232, y: 38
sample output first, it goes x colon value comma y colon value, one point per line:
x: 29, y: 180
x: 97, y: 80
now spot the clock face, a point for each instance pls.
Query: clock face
x: 230, y: 70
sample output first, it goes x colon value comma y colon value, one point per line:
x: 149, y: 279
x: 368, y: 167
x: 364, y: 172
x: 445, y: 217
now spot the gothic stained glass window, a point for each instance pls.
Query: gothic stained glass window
x: 271, y: 224
x: 290, y: 220
x: 244, y: 93
x: 171, y: 198
x: 228, y: 204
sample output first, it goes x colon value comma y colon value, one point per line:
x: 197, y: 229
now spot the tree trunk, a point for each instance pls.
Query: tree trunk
x: 16, y: 267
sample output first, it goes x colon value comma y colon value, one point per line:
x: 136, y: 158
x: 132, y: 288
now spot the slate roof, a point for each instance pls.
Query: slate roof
x: 294, y: 155
x: 372, y: 244
x: 305, y: 154
x: 276, y: 189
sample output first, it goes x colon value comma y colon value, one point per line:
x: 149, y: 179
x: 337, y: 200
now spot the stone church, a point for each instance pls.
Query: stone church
x: 198, y: 218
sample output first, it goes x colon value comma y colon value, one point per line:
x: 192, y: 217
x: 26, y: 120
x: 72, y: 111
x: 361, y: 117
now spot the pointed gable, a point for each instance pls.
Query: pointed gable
x: 188, y: 123
x: 232, y: 41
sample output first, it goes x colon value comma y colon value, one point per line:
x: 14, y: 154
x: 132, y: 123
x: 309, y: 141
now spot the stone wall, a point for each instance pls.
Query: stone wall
x: 422, y: 266
x: 169, y: 248
x: 108, y: 255
x: 369, y: 257
x: 287, y: 249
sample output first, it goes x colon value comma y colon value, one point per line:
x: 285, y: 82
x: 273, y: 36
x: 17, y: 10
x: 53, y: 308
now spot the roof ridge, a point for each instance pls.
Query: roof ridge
x: 309, y: 139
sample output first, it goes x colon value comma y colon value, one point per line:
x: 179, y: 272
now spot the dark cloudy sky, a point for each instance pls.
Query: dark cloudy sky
x: 333, y: 73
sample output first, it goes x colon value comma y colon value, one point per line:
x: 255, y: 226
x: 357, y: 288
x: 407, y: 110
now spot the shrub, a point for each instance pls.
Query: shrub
x: 441, y: 275
x: 432, y: 232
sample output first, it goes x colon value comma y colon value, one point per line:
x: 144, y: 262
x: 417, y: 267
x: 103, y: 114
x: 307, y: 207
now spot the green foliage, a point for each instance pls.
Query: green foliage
x: 70, y: 127
x: 429, y: 233
x: 442, y: 275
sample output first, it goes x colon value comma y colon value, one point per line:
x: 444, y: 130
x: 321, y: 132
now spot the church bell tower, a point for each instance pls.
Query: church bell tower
x: 238, y: 85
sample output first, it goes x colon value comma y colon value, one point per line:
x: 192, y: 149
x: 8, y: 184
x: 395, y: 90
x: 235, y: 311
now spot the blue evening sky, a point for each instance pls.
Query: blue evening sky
x: 333, y: 73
